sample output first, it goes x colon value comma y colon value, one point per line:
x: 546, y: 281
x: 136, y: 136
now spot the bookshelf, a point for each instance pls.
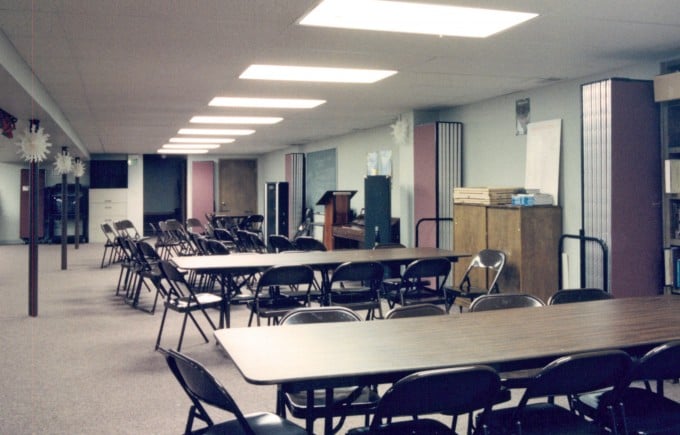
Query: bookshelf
x: 665, y: 87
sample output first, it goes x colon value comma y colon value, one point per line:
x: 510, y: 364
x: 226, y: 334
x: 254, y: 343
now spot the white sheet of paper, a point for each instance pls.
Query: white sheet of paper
x: 543, y: 157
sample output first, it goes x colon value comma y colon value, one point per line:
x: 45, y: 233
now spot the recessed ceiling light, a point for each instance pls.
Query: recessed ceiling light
x: 185, y: 151
x: 188, y: 146
x: 216, y: 131
x: 201, y: 140
x: 397, y: 16
x: 277, y: 103
x: 314, y: 74
x: 235, y: 119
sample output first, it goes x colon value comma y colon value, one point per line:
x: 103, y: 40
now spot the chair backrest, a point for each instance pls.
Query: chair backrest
x: 499, y: 301
x: 660, y: 363
x: 178, y: 286
x: 148, y: 251
x: 308, y: 243
x: 256, y: 242
x: 388, y: 246
x: 224, y: 235
x: 436, y: 268
x: 194, y: 225
x: 568, y: 296
x: 109, y: 232
x: 579, y: 373
x: 489, y: 260
x: 305, y: 227
x: 319, y: 315
x: 414, y: 310
x: 287, y: 276
x: 216, y: 247
x: 202, y: 387
x: 280, y: 243
x: 244, y: 242
x: 371, y: 272
x: 452, y: 390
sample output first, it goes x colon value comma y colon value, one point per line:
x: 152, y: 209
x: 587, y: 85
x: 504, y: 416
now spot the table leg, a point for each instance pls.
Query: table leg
x: 225, y: 289
x: 328, y: 418
x: 309, y: 421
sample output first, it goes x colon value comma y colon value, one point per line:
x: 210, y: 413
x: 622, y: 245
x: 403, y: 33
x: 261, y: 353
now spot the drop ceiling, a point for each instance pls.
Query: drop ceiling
x: 126, y: 75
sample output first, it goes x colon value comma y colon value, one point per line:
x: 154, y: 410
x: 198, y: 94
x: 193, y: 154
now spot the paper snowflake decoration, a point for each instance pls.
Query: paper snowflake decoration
x: 33, y: 145
x: 78, y: 168
x: 400, y: 131
x: 63, y: 163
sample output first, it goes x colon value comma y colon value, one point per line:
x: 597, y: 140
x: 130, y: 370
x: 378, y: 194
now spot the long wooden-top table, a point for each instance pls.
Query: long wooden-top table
x: 243, y: 264
x: 317, y: 259
x: 300, y: 357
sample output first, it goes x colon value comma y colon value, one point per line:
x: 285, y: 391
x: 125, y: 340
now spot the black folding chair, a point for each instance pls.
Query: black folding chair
x: 203, y: 389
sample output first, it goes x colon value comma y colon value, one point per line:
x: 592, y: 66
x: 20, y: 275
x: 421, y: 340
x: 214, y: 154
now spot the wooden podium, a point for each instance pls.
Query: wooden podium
x: 336, y: 212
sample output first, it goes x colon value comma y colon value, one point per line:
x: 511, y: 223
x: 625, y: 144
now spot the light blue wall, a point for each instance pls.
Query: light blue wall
x: 351, y: 156
x: 492, y: 154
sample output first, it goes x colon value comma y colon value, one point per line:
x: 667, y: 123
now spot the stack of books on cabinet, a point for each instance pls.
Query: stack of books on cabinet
x: 484, y: 195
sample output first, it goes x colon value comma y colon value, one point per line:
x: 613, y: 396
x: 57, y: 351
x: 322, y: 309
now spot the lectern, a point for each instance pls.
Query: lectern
x: 336, y: 212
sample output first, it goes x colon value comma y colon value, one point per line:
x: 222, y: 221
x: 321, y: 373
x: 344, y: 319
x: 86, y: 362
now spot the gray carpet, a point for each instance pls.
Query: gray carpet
x: 87, y: 363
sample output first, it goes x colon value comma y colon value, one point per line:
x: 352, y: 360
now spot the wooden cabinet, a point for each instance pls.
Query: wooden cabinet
x: 529, y: 236
x: 105, y: 204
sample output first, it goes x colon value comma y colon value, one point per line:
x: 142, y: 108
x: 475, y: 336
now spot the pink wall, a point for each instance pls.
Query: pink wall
x: 203, y: 189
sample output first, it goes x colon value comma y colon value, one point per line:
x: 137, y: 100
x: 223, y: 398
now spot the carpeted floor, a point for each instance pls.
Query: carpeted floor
x: 87, y: 363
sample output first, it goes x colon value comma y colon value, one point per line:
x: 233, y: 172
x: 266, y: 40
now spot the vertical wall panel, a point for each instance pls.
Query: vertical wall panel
x: 622, y: 186
x: 449, y: 146
x: 295, y: 176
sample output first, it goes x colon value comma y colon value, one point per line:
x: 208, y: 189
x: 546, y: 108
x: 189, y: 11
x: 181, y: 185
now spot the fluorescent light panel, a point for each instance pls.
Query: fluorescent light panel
x: 275, y: 103
x: 191, y: 146
x: 314, y: 74
x: 170, y: 151
x: 397, y: 16
x: 201, y: 140
x: 235, y: 120
x: 216, y: 132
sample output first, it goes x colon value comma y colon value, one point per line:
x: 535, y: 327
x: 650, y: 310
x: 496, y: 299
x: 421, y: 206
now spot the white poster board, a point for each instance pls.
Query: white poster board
x: 543, y: 157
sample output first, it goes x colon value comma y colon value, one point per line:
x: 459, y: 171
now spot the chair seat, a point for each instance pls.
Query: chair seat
x: 541, y: 418
x: 276, y: 307
x: 362, y: 401
x: 424, y: 296
x: 420, y: 426
x: 646, y: 411
x: 463, y: 299
x: 205, y: 299
x: 263, y: 423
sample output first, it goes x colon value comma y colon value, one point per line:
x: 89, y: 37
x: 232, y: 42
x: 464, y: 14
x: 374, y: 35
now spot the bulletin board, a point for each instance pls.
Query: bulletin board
x: 320, y: 176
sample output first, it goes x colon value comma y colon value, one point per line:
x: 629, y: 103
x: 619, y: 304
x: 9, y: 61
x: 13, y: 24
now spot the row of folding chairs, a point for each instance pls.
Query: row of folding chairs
x: 112, y: 231
x: 612, y: 400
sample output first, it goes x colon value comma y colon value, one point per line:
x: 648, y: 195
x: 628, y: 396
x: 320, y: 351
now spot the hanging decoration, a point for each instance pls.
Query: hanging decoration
x: 78, y: 168
x: 401, y: 130
x: 63, y: 163
x: 8, y: 123
x: 33, y: 145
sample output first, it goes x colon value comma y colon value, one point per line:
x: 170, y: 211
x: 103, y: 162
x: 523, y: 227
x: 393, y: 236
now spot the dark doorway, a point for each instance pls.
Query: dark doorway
x: 165, y: 190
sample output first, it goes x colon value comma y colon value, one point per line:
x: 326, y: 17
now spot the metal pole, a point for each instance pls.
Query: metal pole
x: 33, y: 209
x: 64, y: 216
x: 77, y: 211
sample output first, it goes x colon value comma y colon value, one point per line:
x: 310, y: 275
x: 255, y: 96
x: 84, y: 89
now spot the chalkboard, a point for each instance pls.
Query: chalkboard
x: 321, y: 175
